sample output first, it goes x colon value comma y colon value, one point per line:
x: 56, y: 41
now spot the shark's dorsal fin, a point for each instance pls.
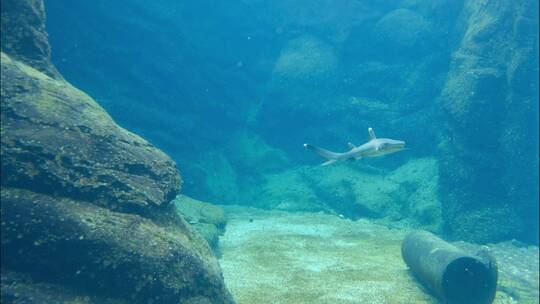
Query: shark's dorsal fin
x: 371, y: 134
x: 351, y: 145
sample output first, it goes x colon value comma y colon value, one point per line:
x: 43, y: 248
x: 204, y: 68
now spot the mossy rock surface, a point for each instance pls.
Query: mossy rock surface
x: 107, y: 253
x: 207, y: 219
x: 199, y: 211
x: 408, y: 194
x: 19, y: 288
x: 56, y: 139
x: 24, y: 36
x: 86, y: 214
x: 489, y: 185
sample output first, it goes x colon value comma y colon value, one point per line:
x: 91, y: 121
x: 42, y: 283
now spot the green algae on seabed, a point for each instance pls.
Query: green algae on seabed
x: 280, y: 257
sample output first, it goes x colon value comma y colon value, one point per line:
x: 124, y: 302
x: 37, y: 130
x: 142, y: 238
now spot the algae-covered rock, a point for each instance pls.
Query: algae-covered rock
x: 23, y: 34
x: 207, y: 219
x: 219, y: 179
x: 199, y: 211
x: 356, y: 193
x: 289, y: 190
x: 489, y: 163
x: 57, y: 140
x: 19, y: 288
x: 305, y: 60
x: 403, y: 29
x: 484, y: 224
x: 420, y: 179
x: 85, y: 213
x: 113, y: 254
x: 408, y: 194
x: 247, y: 150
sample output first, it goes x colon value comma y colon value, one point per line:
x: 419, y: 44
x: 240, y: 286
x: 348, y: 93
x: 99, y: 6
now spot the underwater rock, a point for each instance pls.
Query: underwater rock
x: 484, y: 224
x: 403, y: 29
x: 232, y: 172
x: 408, y: 194
x: 489, y: 163
x: 247, y: 150
x: 218, y: 178
x: 289, y: 191
x: 86, y: 213
x: 23, y: 34
x: 57, y: 140
x: 21, y: 289
x: 112, y: 254
x: 306, y: 60
x: 207, y: 219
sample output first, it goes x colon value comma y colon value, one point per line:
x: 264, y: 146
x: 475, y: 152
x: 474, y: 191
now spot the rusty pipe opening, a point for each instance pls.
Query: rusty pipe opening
x: 448, y: 272
x: 467, y: 280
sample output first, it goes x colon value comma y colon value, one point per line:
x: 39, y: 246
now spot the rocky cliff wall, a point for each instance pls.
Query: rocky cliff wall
x: 85, y: 206
x: 489, y: 149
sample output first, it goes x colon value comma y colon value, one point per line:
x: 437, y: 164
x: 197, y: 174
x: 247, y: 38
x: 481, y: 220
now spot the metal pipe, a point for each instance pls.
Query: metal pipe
x: 450, y: 273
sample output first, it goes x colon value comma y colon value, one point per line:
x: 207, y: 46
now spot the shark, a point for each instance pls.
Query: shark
x: 375, y: 147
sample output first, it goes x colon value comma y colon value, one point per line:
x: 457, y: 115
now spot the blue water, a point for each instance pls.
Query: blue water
x: 309, y: 139
x: 231, y: 91
x: 193, y: 78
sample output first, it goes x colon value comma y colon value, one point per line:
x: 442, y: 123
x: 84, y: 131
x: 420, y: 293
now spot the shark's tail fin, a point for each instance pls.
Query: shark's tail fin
x: 331, y: 156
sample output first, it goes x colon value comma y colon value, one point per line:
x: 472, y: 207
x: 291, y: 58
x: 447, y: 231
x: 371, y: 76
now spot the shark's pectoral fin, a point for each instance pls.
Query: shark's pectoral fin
x: 351, y: 145
x: 328, y: 162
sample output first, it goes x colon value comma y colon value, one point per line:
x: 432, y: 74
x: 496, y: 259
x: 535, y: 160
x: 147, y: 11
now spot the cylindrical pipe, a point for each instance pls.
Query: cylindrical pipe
x: 450, y: 273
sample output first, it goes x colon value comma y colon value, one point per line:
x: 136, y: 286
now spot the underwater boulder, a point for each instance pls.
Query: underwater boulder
x: 108, y: 253
x: 305, y: 60
x: 20, y: 288
x: 489, y: 145
x: 207, y: 219
x: 57, y: 140
x: 403, y: 29
x: 406, y: 196
x: 289, y: 190
x: 85, y: 206
x: 23, y: 34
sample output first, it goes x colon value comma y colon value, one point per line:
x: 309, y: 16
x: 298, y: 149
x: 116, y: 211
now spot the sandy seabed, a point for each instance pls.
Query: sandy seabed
x: 282, y: 257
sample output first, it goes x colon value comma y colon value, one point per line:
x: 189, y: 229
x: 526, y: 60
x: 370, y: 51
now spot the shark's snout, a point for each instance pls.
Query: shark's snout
x: 400, y: 144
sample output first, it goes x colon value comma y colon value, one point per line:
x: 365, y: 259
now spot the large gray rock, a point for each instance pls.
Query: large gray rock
x: 489, y: 153
x: 403, y: 29
x: 57, y: 140
x: 111, y: 254
x: 24, y: 36
x: 21, y: 289
x: 85, y: 204
x: 207, y: 219
x: 306, y: 60
x: 407, y: 195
